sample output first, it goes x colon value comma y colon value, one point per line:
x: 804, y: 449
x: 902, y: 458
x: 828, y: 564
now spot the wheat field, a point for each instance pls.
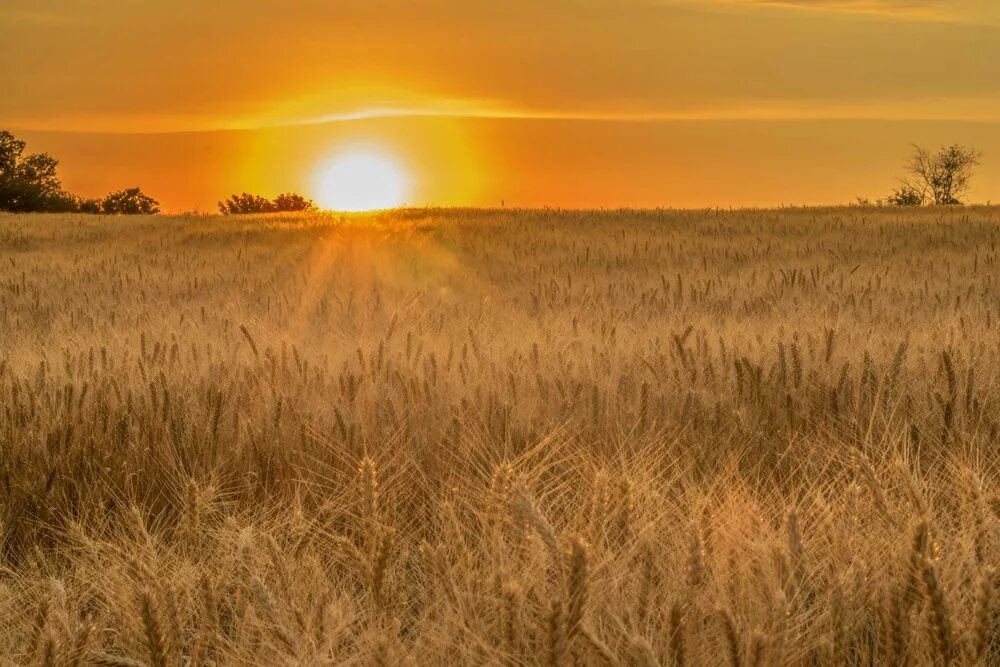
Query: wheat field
x: 501, y: 438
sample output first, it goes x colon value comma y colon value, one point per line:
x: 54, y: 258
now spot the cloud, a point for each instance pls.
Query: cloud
x: 159, y: 65
x: 887, y: 6
x: 961, y: 11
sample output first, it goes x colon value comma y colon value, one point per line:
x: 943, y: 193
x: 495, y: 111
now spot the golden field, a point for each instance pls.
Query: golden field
x: 501, y: 437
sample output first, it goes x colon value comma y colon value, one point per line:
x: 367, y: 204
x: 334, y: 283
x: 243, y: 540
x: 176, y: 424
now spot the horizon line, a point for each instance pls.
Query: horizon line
x: 529, y: 209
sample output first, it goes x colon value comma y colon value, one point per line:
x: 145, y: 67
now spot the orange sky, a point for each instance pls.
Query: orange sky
x: 562, y: 102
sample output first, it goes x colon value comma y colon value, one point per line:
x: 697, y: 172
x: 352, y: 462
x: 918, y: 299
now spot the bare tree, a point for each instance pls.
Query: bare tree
x: 943, y: 177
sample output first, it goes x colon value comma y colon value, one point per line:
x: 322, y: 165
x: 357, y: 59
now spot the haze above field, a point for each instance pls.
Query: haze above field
x: 576, y: 103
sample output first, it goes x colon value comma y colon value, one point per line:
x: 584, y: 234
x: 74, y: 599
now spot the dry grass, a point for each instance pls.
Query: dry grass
x: 748, y: 438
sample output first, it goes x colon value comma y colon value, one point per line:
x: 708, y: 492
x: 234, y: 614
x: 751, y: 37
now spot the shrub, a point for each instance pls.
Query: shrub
x: 247, y: 203
x: 290, y: 202
x: 906, y: 195
x: 89, y: 206
x: 129, y: 202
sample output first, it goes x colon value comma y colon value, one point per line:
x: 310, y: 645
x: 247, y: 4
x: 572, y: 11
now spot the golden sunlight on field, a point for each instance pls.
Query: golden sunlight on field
x: 517, y: 438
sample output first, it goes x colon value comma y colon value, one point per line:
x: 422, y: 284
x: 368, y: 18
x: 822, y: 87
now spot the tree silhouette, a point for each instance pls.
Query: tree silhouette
x: 942, y: 177
x: 246, y: 203
x: 29, y: 182
x: 291, y: 202
x: 129, y: 202
x: 90, y: 206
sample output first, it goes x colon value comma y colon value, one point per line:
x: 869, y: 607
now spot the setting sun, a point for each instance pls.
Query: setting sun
x: 361, y: 180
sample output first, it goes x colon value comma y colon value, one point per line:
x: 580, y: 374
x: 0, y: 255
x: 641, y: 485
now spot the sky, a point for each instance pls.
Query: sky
x: 572, y: 103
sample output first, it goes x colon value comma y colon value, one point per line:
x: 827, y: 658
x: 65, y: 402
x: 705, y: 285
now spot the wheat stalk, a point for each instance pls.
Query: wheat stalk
x: 153, y: 627
x: 940, y: 614
x: 731, y: 635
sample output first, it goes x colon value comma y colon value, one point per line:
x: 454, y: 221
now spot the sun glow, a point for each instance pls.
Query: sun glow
x: 361, y: 180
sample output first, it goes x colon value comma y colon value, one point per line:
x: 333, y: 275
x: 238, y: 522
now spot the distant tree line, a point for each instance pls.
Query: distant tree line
x: 247, y: 203
x: 29, y: 184
x: 939, y: 179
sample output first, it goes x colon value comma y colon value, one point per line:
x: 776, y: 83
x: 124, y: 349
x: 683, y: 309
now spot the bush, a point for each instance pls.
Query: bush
x: 89, y: 206
x: 291, y: 202
x: 244, y: 204
x: 247, y: 203
x: 129, y: 202
x: 906, y: 195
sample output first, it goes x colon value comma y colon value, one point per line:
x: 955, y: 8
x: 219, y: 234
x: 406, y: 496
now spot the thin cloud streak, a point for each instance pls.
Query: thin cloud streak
x: 950, y: 110
x: 972, y: 12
